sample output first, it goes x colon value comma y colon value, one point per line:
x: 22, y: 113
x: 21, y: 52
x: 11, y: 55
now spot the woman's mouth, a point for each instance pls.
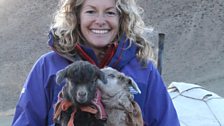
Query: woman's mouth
x: 99, y: 31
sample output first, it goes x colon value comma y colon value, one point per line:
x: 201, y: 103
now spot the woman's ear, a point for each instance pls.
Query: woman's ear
x: 60, y: 76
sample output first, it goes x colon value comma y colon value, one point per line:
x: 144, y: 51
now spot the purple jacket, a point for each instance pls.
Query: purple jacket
x: 39, y: 94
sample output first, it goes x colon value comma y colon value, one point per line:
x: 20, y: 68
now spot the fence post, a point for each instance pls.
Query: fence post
x: 160, y: 52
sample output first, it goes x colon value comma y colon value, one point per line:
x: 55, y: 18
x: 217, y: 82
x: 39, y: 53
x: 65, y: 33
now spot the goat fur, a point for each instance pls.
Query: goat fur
x: 119, y: 103
x: 80, y: 88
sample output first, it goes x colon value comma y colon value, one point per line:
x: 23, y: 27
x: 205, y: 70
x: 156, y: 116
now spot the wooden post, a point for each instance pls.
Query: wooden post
x: 160, y: 52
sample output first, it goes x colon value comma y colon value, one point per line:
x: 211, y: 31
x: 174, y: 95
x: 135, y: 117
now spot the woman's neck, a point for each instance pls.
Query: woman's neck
x: 100, y: 53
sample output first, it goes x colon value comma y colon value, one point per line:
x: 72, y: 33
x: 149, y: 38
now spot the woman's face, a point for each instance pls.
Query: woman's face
x: 99, y: 22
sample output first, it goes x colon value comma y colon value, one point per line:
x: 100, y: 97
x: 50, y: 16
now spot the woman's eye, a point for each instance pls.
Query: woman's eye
x: 90, y: 11
x: 111, y: 13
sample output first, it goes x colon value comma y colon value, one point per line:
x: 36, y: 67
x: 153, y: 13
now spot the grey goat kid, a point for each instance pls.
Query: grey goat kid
x: 81, y: 77
x: 119, y: 102
x: 80, y: 89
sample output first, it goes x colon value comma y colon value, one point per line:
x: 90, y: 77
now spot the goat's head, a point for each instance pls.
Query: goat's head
x: 81, y: 78
x: 117, y: 81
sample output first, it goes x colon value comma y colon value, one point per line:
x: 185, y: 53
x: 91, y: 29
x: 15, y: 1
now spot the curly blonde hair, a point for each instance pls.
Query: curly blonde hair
x: 66, y: 26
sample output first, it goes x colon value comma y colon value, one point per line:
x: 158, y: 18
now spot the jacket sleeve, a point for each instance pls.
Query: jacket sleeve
x: 158, y: 109
x: 32, y: 107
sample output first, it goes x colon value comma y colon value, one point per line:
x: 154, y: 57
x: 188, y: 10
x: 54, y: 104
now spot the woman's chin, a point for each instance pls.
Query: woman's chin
x: 100, y: 45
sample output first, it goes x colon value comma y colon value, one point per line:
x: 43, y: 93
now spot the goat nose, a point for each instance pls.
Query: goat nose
x: 82, y: 93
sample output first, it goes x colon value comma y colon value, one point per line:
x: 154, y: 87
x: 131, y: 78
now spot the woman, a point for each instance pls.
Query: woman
x: 105, y: 33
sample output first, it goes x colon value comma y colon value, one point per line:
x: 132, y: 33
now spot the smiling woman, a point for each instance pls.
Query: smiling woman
x: 99, y: 23
x: 104, y: 33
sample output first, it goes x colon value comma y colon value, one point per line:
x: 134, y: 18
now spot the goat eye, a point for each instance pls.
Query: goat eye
x: 93, y: 81
x: 111, y: 75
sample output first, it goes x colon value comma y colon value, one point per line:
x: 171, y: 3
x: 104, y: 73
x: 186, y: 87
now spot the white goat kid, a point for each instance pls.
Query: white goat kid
x: 119, y: 102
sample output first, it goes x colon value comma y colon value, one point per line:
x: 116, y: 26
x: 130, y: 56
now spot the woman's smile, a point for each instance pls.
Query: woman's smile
x: 96, y: 31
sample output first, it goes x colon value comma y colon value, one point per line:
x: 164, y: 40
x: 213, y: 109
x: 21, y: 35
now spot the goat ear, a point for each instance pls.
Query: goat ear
x: 60, y: 76
x: 102, y: 77
x: 134, y: 84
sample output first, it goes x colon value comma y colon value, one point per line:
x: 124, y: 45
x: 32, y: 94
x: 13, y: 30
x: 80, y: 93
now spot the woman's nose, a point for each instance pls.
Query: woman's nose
x: 100, y: 20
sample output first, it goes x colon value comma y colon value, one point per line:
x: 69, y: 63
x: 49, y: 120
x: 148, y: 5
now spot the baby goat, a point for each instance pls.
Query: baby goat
x: 119, y: 103
x: 79, y: 95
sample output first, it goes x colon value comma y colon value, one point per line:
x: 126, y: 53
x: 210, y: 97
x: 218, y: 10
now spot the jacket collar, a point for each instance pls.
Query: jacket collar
x: 125, y: 52
x: 122, y: 54
x: 88, y: 54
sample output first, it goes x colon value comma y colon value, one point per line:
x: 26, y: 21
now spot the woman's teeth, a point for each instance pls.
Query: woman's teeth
x: 100, y: 31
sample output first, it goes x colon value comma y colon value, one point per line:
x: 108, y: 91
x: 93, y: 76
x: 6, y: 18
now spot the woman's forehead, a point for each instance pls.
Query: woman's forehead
x: 100, y: 3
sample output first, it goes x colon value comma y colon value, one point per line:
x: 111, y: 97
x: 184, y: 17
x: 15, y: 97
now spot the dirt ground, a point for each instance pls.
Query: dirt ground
x: 194, y: 42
